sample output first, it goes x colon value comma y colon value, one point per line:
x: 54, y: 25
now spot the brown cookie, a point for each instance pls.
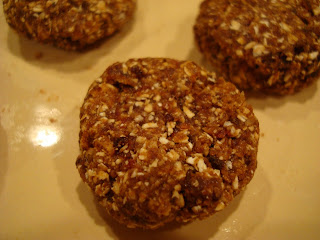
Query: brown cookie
x: 68, y: 24
x: 264, y: 45
x: 164, y: 140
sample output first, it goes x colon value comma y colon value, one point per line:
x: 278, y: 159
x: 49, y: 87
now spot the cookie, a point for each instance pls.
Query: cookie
x: 68, y: 24
x: 163, y: 140
x: 269, y: 46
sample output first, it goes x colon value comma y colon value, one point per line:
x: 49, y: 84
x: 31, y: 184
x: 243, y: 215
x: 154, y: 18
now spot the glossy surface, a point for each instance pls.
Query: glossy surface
x: 41, y: 90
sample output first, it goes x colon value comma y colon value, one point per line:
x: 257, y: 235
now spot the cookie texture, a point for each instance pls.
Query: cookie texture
x: 269, y: 46
x: 163, y: 140
x: 68, y: 24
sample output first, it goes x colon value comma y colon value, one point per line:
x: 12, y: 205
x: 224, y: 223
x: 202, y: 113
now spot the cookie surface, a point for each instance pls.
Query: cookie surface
x: 263, y: 45
x: 68, y: 24
x: 164, y: 140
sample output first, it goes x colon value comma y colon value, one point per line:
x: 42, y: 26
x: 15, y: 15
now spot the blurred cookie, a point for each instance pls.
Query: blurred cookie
x: 263, y: 45
x: 68, y: 24
x: 164, y: 140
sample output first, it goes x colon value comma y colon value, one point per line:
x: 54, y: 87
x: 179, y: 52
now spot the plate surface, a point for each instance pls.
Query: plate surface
x: 41, y: 91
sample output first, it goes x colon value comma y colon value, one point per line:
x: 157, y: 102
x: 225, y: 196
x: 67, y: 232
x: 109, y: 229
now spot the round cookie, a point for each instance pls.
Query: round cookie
x: 164, y: 140
x: 68, y: 24
x: 262, y: 45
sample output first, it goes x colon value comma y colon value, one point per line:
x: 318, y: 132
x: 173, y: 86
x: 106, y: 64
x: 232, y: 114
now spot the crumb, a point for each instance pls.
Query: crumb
x: 38, y: 55
x: 53, y: 120
x: 53, y: 98
x: 42, y: 91
x: 6, y: 109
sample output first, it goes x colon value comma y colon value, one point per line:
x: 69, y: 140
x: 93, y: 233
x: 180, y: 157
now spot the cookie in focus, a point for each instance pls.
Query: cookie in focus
x: 163, y: 140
